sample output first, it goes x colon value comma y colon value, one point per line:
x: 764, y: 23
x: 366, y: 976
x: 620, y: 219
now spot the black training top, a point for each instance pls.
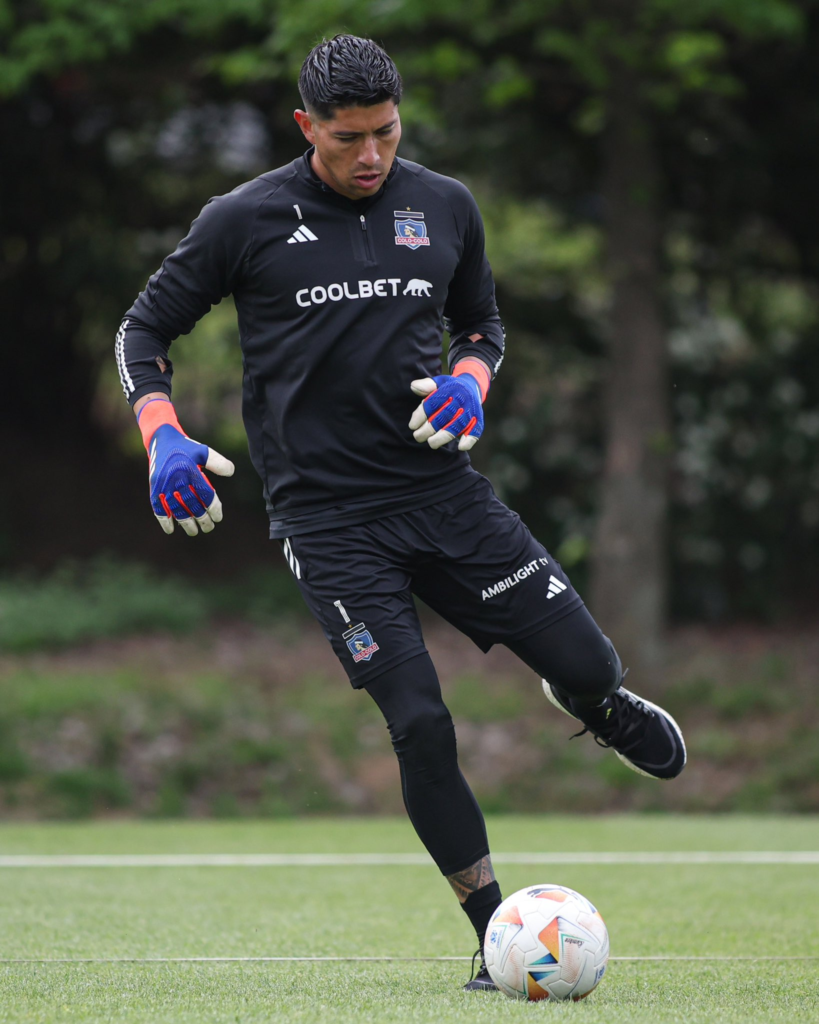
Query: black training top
x: 341, y: 305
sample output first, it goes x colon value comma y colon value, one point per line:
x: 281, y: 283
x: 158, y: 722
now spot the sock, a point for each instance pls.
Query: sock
x: 480, y: 905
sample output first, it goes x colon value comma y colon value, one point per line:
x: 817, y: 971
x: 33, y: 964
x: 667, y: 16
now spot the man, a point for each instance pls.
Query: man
x: 345, y: 266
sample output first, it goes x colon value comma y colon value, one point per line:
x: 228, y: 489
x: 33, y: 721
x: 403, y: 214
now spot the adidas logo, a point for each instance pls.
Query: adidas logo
x: 302, y: 234
x: 555, y: 588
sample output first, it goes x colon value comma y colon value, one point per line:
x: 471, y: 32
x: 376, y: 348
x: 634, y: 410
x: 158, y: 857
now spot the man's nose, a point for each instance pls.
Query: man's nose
x: 369, y: 151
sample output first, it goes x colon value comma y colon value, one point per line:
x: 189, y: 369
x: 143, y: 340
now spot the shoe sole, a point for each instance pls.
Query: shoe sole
x: 654, y: 707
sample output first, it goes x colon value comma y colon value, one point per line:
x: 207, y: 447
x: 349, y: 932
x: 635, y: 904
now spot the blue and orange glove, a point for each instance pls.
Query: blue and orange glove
x: 180, y: 491
x: 453, y: 406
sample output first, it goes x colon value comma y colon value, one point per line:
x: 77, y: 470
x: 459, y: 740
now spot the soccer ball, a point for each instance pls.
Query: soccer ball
x: 546, y: 942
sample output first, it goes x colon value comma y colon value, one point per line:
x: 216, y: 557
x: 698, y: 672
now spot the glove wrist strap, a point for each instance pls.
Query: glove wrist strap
x: 156, y: 414
x: 476, y: 369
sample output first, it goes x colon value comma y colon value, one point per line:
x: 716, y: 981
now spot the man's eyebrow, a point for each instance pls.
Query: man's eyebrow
x: 381, y: 128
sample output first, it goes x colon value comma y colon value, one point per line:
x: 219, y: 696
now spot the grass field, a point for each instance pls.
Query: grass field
x: 729, y: 912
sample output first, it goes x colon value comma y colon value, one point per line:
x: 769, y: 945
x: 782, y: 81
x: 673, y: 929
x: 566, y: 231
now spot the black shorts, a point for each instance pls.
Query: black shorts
x: 469, y: 557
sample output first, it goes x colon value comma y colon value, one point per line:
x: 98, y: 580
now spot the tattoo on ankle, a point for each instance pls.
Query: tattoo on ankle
x: 471, y: 879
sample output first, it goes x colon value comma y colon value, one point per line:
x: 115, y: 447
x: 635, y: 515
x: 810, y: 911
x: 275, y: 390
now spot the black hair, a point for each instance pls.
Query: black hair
x: 347, y: 71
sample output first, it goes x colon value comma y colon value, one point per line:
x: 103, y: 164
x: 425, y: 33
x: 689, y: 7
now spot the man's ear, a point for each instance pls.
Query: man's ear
x: 305, y: 122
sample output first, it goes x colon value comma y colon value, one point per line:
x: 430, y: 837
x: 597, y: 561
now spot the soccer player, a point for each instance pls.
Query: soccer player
x: 346, y: 265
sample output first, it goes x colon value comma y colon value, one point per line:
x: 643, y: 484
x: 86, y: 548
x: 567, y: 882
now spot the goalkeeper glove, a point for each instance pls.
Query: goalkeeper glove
x: 453, y: 406
x: 180, y: 491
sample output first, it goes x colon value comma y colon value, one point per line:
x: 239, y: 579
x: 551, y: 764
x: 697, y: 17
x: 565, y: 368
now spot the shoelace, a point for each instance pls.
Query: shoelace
x: 627, y: 727
x: 478, y: 953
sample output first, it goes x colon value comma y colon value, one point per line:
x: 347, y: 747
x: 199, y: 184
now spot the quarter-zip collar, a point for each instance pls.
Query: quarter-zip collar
x: 304, y: 168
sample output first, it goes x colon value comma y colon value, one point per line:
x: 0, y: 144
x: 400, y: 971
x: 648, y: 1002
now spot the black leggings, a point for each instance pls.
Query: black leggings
x: 572, y: 654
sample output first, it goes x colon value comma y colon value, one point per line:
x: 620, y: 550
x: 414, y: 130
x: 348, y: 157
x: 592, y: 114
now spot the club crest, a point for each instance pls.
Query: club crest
x: 358, y: 638
x: 410, y: 229
x: 360, y: 643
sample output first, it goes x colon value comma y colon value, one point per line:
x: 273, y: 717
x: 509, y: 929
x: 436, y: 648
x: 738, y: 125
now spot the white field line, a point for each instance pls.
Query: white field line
x: 321, y: 860
x: 361, y: 959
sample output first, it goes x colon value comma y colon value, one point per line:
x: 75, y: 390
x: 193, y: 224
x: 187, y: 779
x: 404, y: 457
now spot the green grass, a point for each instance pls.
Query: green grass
x: 104, y: 913
x: 200, y: 994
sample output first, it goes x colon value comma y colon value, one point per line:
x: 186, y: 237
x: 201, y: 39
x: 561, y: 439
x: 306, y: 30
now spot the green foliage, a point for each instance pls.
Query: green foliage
x: 747, y: 420
x: 686, y: 52
x: 258, y: 596
x: 514, y: 97
x: 108, y: 598
x: 749, y: 18
x: 537, y: 251
x: 581, y: 52
x: 83, y: 791
x: 103, y: 598
x: 166, y: 746
x: 61, y: 34
x: 484, y: 700
x: 13, y: 763
x: 240, y: 723
x: 447, y: 60
x: 753, y: 697
x: 765, y: 689
x: 506, y: 84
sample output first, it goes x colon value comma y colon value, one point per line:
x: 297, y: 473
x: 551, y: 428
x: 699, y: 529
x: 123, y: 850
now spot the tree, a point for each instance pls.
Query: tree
x: 639, y: 60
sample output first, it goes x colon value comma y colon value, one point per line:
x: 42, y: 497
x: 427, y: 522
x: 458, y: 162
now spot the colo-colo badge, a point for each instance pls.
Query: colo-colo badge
x: 358, y: 638
x: 410, y: 229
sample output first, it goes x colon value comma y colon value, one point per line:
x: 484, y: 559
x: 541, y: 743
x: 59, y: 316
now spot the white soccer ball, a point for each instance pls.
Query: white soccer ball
x: 546, y: 942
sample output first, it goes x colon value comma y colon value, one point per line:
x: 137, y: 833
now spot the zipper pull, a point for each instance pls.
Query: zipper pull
x: 363, y: 222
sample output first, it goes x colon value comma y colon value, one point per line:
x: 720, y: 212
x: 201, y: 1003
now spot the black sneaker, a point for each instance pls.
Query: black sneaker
x: 643, y: 736
x: 480, y: 982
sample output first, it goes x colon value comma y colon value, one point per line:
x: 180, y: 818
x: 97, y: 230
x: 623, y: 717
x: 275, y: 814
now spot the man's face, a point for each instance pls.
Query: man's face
x: 354, y: 149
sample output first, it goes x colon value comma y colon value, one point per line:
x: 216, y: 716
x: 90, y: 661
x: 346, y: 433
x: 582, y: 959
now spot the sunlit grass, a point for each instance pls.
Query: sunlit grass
x: 658, y: 910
